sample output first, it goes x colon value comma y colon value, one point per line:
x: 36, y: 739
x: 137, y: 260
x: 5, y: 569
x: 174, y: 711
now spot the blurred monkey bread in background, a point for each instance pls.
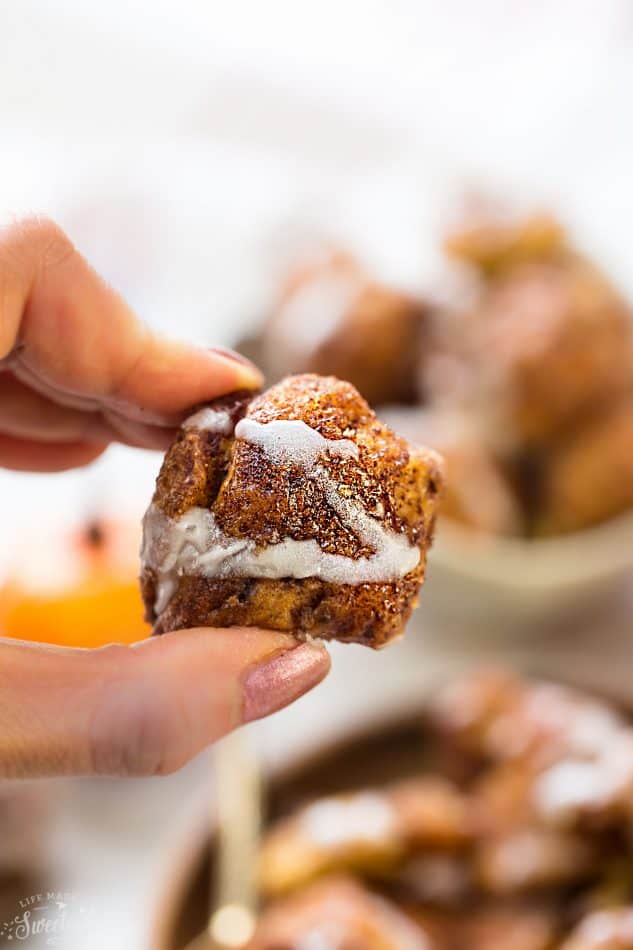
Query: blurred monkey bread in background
x: 522, y: 376
x: 333, y: 318
x: 296, y: 510
x: 507, y: 828
x: 545, y: 356
x: 478, y: 492
x: 548, y: 338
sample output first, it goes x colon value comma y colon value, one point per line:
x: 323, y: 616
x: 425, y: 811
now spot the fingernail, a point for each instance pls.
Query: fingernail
x: 233, y: 355
x: 275, y: 683
x: 249, y: 377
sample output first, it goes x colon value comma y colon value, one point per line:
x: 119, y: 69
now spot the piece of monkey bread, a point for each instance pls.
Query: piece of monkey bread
x: 588, y: 478
x: 563, y: 337
x: 494, y: 243
x: 373, y: 831
x: 479, y: 493
x: 338, y: 913
x: 548, y: 340
x: 296, y: 510
x: 610, y: 928
x: 333, y: 318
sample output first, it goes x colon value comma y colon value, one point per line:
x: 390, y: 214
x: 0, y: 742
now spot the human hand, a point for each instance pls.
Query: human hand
x: 78, y: 371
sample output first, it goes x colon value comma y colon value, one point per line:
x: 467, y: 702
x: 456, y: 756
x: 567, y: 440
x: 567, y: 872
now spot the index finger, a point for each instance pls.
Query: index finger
x: 69, y: 335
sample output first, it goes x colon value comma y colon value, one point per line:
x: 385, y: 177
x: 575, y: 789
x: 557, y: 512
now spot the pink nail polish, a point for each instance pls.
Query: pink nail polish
x: 276, y: 682
x: 232, y: 355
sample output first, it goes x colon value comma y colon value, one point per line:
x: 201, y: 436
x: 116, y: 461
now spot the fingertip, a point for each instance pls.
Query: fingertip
x: 246, y: 373
x: 173, y: 376
x: 282, y: 679
x: 268, y: 669
x: 241, y: 644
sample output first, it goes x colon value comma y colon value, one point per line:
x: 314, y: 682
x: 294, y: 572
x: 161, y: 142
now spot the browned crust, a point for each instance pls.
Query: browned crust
x: 251, y: 498
x: 196, y: 463
x: 373, y: 614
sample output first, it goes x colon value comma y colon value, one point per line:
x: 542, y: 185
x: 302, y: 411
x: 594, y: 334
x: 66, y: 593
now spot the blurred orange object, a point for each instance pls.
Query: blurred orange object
x: 89, y: 597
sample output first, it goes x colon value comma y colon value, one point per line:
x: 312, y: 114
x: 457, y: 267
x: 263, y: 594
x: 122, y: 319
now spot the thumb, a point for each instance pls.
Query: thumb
x: 145, y: 709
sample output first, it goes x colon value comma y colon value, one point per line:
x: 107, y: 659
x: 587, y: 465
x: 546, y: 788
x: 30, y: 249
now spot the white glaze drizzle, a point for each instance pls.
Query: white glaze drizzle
x: 194, y: 544
x: 327, y: 935
x: 336, y: 822
x: 596, y: 772
x: 292, y: 442
x: 210, y: 420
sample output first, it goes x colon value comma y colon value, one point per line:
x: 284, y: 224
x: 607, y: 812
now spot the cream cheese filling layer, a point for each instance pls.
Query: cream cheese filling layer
x: 195, y: 545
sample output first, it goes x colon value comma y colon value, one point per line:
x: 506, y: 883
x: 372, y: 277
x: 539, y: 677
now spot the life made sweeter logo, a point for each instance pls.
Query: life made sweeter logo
x: 47, y: 919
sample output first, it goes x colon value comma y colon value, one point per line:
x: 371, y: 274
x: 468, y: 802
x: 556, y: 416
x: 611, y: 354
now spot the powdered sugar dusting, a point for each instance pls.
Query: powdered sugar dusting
x: 334, y: 822
x: 589, y: 778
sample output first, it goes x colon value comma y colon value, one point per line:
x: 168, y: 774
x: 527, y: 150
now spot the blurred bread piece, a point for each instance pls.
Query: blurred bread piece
x: 498, y: 716
x: 588, y: 477
x: 355, y: 832
x: 528, y: 850
x: 338, y: 914
x: 494, y: 243
x: 333, y: 318
x: 562, y: 337
x: 530, y: 859
x: 545, y: 341
x: 520, y: 927
x: 372, y: 831
x: 478, y: 492
x: 545, y: 344
x: 608, y: 929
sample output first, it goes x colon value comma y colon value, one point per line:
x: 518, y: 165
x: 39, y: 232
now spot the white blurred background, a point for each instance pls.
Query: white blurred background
x: 186, y: 147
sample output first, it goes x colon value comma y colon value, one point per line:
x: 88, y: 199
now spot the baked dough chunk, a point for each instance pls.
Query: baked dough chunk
x: 298, y: 511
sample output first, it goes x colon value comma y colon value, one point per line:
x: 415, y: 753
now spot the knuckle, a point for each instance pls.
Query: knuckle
x: 36, y: 238
x: 28, y: 249
x: 53, y: 245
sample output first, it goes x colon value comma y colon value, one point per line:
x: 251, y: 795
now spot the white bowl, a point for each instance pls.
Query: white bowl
x: 523, y: 583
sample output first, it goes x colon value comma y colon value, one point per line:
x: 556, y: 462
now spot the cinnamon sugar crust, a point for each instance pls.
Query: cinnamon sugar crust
x: 264, y: 501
